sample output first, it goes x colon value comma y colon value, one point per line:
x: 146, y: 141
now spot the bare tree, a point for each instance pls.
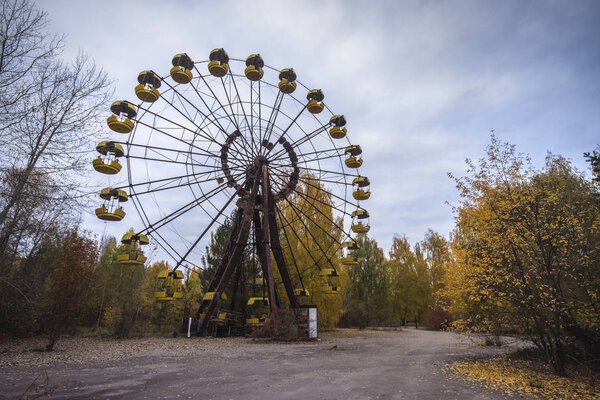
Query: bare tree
x: 50, y: 112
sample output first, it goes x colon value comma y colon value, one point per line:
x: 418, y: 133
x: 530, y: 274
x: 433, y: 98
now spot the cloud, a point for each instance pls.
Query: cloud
x: 420, y: 83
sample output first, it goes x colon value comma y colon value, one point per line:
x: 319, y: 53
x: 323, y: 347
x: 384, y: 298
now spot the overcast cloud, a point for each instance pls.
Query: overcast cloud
x: 421, y: 83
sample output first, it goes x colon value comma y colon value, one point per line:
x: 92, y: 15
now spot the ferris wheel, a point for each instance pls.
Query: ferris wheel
x: 233, y: 138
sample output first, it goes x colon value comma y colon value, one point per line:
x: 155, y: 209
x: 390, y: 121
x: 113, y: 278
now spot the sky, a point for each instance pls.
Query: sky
x: 422, y: 83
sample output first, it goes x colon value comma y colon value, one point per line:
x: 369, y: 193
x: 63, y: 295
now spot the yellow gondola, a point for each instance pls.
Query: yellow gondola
x: 258, y: 310
x: 350, y: 245
x: 254, y: 67
x: 361, y: 188
x: 111, y: 211
x: 147, y: 89
x: 219, y: 63
x: 211, y: 295
x: 107, y: 162
x: 360, y: 221
x: 315, y: 101
x: 330, y: 283
x: 287, y: 80
x: 350, y: 261
x: 132, y: 253
x: 123, y: 111
x: 168, y: 286
x: 181, y: 72
x: 354, y: 160
x: 337, y: 131
x: 299, y: 292
x: 258, y: 301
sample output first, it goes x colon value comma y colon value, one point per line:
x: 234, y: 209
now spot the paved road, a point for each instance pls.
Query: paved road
x: 352, y: 365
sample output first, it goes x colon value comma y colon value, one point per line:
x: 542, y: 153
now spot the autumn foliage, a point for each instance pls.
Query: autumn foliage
x: 526, y: 253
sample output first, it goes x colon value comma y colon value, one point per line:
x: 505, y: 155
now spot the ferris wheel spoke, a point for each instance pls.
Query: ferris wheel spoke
x: 186, y: 255
x: 310, y: 153
x: 273, y: 117
x: 311, y: 198
x: 335, y: 243
x: 328, y: 192
x: 314, y: 239
x: 241, y: 103
x: 152, y: 227
x: 165, y: 161
x: 193, y: 131
x: 324, y: 171
x: 154, y: 128
x: 340, y: 151
x: 303, y: 139
x: 205, y: 116
x: 331, y: 204
x: 294, y: 231
x: 290, y: 251
x: 317, y: 159
x: 156, y: 149
x: 131, y: 185
x: 231, y: 118
x: 246, y: 158
x: 179, y: 185
x: 167, y: 247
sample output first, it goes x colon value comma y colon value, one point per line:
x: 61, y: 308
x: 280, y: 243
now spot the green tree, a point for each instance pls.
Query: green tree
x: 368, y: 291
x: 401, y: 272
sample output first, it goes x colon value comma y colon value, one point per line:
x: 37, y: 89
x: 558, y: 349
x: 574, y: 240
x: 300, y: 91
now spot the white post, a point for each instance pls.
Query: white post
x: 189, y: 326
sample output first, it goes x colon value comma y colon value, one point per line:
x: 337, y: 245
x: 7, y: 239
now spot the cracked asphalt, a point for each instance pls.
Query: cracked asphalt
x: 345, y: 364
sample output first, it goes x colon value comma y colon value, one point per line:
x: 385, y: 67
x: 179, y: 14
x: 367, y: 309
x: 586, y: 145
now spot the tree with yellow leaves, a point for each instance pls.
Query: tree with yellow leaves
x: 310, y: 238
x: 527, y: 249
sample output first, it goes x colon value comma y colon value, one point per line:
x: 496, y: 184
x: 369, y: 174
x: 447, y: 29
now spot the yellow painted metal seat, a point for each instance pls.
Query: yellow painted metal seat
x: 181, y: 72
x: 181, y: 75
x: 360, y: 218
x: 168, y: 285
x: 105, y: 214
x: 120, y: 124
x: 138, y: 238
x: 287, y: 80
x: 113, y: 167
x: 337, y: 131
x: 121, y: 120
x: 110, y: 193
x: 254, y: 67
x: 131, y: 258
x: 258, y: 301
x: 132, y: 254
x: 210, y: 295
x: 360, y: 228
x: 361, y: 194
x: 147, y: 89
x: 350, y: 245
x: 106, y: 147
x: 328, y: 288
x: 354, y: 160
x: 315, y: 101
x: 219, y: 63
x: 350, y: 261
x: 111, y: 211
x: 330, y: 281
x: 361, y: 188
x: 147, y: 94
x: 299, y: 292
